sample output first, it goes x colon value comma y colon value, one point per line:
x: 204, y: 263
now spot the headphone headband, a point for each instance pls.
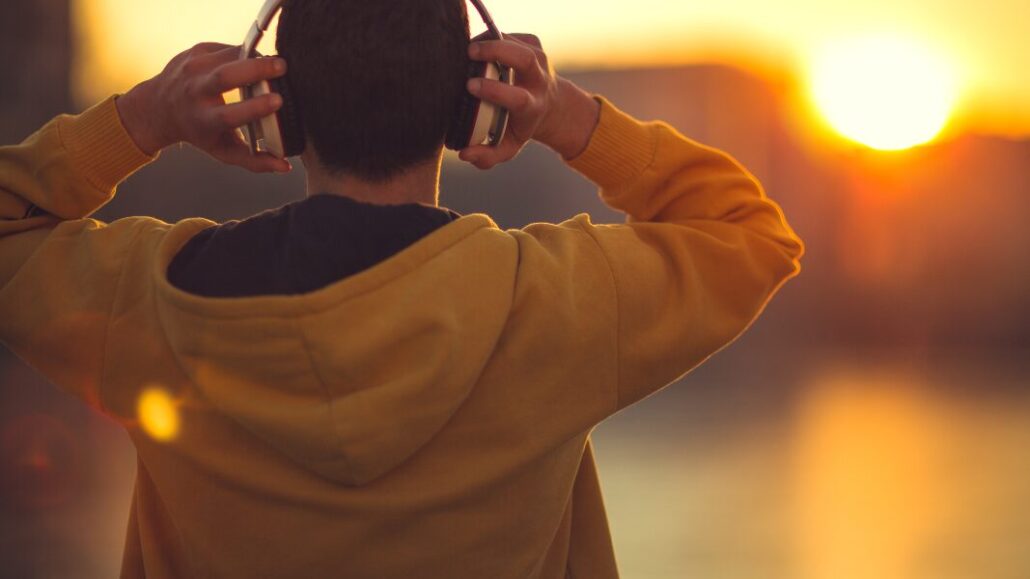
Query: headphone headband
x: 260, y: 26
x: 271, y: 8
x: 484, y: 14
x: 282, y: 133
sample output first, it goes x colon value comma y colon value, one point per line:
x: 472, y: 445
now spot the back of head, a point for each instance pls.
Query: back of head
x: 376, y: 82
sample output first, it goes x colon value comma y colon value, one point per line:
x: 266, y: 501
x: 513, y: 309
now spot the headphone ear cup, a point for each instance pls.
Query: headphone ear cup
x: 291, y: 126
x: 463, y: 125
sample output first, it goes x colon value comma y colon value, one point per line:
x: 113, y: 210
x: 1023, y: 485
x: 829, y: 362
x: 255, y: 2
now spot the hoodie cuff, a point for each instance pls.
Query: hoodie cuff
x: 100, y: 148
x: 620, y: 149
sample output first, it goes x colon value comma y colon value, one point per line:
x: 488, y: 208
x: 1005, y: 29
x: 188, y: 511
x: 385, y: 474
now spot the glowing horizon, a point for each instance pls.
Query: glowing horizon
x: 124, y: 42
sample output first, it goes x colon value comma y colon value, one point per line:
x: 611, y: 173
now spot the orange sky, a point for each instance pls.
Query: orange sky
x: 985, y: 42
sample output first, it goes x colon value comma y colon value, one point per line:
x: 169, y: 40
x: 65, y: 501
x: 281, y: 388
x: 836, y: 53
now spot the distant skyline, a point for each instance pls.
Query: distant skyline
x: 985, y: 42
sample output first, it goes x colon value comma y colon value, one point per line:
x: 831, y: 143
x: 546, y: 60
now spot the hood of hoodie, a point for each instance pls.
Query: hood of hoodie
x: 353, y: 379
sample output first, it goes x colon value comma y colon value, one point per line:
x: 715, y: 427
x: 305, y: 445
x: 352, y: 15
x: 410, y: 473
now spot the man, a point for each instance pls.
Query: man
x: 365, y: 384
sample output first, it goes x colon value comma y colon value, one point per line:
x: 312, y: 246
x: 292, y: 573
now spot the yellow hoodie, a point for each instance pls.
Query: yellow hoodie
x: 428, y: 417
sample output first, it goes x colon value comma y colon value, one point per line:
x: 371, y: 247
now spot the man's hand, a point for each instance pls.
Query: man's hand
x: 542, y: 105
x: 185, y: 104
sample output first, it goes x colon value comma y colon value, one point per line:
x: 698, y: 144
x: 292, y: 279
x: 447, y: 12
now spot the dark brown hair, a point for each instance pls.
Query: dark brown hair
x: 376, y: 82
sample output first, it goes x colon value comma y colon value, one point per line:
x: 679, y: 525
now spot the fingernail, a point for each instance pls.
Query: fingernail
x: 277, y: 100
x: 474, y: 49
x: 279, y: 66
x: 475, y: 85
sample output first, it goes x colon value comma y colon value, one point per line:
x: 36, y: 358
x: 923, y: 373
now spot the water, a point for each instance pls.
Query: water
x: 802, y: 465
x: 862, y: 468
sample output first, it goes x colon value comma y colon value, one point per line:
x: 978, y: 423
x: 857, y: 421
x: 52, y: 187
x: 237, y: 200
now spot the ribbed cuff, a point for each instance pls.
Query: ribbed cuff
x: 100, y: 147
x: 619, y: 150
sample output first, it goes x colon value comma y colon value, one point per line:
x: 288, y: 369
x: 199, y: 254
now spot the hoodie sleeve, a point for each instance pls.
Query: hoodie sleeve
x: 701, y: 254
x: 59, y: 271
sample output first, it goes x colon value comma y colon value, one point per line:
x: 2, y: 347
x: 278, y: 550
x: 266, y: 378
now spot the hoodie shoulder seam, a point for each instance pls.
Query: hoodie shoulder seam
x: 110, y: 315
x: 618, y: 314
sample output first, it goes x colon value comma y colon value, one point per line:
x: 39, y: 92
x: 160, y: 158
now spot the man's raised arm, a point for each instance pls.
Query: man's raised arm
x: 702, y: 253
x: 60, y: 272
x: 72, y: 166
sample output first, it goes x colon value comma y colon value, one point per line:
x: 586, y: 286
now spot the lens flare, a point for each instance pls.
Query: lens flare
x: 158, y: 414
x: 884, y: 92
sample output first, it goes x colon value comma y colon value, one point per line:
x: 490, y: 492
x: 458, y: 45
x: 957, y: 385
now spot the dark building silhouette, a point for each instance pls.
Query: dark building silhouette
x: 35, y: 64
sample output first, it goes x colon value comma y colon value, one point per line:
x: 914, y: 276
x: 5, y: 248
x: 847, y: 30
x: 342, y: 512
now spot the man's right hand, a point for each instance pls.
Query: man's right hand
x: 541, y: 105
x: 184, y: 103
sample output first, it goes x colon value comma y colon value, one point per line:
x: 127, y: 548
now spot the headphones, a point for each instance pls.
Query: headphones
x: 281, y: 134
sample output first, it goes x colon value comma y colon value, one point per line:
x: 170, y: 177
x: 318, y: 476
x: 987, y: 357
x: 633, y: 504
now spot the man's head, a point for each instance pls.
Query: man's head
x: 376, y: 83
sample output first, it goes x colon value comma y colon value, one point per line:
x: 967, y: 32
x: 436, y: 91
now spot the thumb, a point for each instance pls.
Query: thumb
x: 233, y: 151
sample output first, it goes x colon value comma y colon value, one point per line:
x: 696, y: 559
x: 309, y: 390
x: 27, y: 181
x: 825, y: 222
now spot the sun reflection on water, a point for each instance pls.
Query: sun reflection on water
x: 868, y: 459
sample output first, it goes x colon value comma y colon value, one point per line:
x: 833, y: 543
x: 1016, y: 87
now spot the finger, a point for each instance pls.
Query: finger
x: 264, y: 163
x: 213, y: 53
x: 525, y: 38
x: 239, y: 73
x: 204, y: 57
x: 209, y: 47
x: 238, y: 114
x: 513, y: 98
x: 260, y: 163
x: 487, y: 157
x: 533, y: 41
x: 235, y: 152
x: 520, y: 57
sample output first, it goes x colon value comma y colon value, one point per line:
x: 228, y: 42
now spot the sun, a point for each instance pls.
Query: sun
x: 883, y: 92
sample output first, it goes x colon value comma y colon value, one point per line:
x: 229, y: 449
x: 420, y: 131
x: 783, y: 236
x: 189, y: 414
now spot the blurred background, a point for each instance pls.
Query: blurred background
x: 874, y: 423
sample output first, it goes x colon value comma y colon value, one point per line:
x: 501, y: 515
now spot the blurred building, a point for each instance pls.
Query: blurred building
x: 36, y: 43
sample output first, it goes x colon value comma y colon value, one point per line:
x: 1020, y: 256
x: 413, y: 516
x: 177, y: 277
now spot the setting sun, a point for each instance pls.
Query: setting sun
x: 885, y: 93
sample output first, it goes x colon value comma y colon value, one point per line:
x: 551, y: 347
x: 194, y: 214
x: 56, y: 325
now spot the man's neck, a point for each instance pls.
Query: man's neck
x: 421, y: 184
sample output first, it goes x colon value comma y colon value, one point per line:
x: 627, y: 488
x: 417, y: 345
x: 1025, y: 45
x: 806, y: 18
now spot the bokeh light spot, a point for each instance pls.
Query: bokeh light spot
x: 158, y: 414
x: 39, y: 462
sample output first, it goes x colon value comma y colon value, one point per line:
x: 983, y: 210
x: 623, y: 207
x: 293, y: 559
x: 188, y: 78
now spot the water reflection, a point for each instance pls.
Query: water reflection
x: 875, y: 470
x: 870, y: 462
x: 754, y: 468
